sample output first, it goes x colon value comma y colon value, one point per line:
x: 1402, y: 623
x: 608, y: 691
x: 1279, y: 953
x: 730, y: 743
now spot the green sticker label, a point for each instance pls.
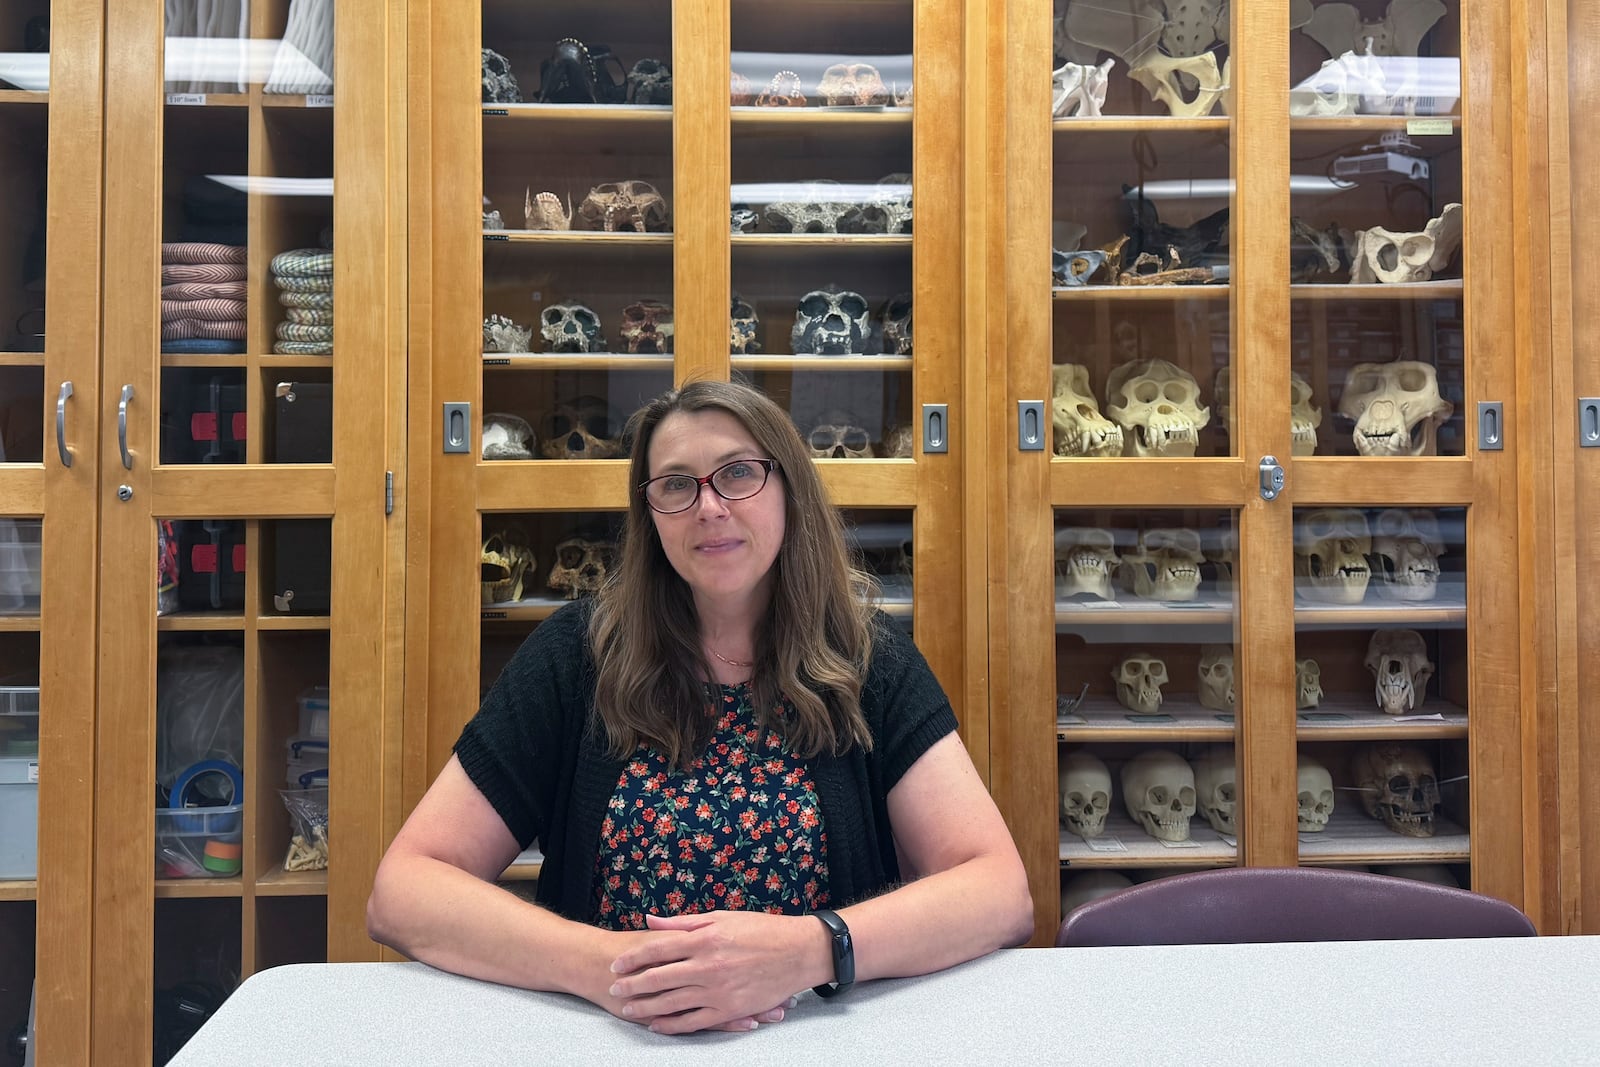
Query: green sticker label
x: 1430, y: 127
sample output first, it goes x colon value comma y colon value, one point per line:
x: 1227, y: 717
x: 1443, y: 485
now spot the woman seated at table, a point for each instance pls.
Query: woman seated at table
x: 723, y: 745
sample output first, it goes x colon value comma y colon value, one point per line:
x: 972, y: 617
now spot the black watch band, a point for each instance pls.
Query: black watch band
x: 844, y: 955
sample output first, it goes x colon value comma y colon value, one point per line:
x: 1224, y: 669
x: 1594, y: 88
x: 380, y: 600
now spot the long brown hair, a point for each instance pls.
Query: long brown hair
x: 811, y: 649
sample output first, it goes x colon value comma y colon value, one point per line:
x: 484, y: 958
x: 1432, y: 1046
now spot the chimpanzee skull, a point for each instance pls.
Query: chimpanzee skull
x: 1216, y: 787
x: 742, y: 218
x: 544, y: 211
x: 626, y: 207
x: 1079, y: 89
x: 1164, y: 566
x: 507, y: 437
x: 1085, y: 793
x: 1216, y: 677
x: 1158, y: 407
x: 1307, y: 683
x: 582, y: 428
x: 1398, y: 660
x: 888, y: 207
x: 1396, y: 407
x: 839, y: 435
x: 1330, y: 555
x: 894, y: 325
x: 1406, y: 546
x: 853, y: 85
x: 743, y: 328
x: 1304, y: 417
x: 1090, y: 885
x: 650, y: 82
x: 1139, y: 677
x: 831, y: 322
x: 571, y: 328
x: 1085, y: 558
x: 898, y: 442
x: 1314, y: 795
x: 500, y: 334
x: 1158, y: 789
x: 1221, y: 550
x: 499, y: 84
x: 503, y: 563
x: 647, y: 327
x: 1398, y: 785
x: 581, y: 566
x: 818, y: 206
x: 1080, y: 429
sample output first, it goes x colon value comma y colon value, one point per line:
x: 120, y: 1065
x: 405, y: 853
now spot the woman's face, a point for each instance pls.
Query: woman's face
x: 724, y: 549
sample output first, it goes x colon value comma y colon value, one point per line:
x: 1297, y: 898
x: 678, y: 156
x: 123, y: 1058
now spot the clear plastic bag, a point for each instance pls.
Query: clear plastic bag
x: 308, y: 820
x: 199, y: 709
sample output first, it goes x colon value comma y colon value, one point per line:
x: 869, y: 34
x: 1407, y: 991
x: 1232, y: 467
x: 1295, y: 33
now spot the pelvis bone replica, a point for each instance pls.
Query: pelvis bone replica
x: 1085, y: 793
x: 1080, y: 429
x: 625, y: 207
x: 1382, y: 255
x: 1307, y: 683
x: 1406, y: 546
x: 544, y: 211
x: 1339, y: 27
x: 647, y: 327
x: 1330, y: 555
x: 1191, y: 86
x: 1348, y: 85
x: 839, y: 435
x: 1085, y: 559
x: 581, y: 566
x: 853, y: 85
x: 571, y: 328
x: 1158, y: 790
x: 1079, y: 89
x: 1216, y: 677
x: 1158, y: 407
x: 1139, y: 677
x: 582, y: 428
x: 831, y: 322
x: 1164, y: 566
x: 1314, y: 795
x: 1396, y: 407
x: 1216, y: 786
x: 1398, y: 660
x: 1399, y: 786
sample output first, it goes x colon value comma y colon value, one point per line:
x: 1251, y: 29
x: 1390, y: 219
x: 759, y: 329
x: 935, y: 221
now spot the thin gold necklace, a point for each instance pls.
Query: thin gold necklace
x: 729, y: 662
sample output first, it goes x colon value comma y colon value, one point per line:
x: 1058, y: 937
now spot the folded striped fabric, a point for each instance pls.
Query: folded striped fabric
x: 180, y: 329
x: 291, y: 283
x: 209, y: 310
x: 173, y: 273
x: 205, y: 291
x: 303, y: 261
x: 309, y: 317
x: 303, y: 348
x: 322, y: 301
x: 190, y: 252
x: 288, y: 331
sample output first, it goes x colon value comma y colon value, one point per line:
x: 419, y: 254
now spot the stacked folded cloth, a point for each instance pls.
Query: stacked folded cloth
x: 203, y: 297
x: 304, y: 277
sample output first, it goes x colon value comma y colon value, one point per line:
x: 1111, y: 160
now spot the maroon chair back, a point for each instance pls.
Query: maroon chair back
x: 1239, y: 905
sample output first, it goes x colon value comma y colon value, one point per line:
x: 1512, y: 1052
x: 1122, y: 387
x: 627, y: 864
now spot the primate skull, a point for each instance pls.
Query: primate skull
x: 544, y: 211
x: 500, y: 334
x: 581, y: 566
x: 853, y: 85
x: 582, y: 428
x: 1164, y: 566
x: 650, y: 82
x: 1222, y: 552
x: 898, y: 443
x: 888, y: 207
x: 1079, y: 89
x: 1398, y: 660
x: 818, y: 206
x: 839, y: 435
x: 782, y: 91
x: 1085, y: 793
x: 507, y: 437
x: 1330, y: 555
x: 1399, y: 786
x: 1304, y: 417
x: 1158, y: 407
x: 1314, y: 799
x: 743, y: 328
x: 894, y: 325
x: 499, y: 84
x: 1139, y: 677
x: 1216, y: 677
x: 1080, y: 429
x: 1216, y: 787
x: 1406, y: 546
x: 1158, y: 789
x: 571, y: 328
x: 1396, y: 407
x: 647, y: 327
x: 502, y: 565
x: 625, y: 207
x: 831, y: 322
x: 1307, y: 683
x: 1085, y: 558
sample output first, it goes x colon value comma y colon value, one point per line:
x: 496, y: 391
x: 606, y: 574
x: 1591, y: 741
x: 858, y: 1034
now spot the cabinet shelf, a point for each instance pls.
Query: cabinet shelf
x: 1140, y: 124
x: 19, y: 624
x: 588, y: 361
x: 1155, y: 293
x: 1358, y: 123
x: 203, y: 621
x: 281, y: 883
x: 1351, y: 837
x: 1361, y: 721
x: 193, y: 888
x: 23, y: 98
x: 1443, y: 289
x: 525, y: 868
x: 313, y: 102
x: 28, y: 890
x: 895, y: 602
x: 21, y: 359
x: 306, y: 623
x: 1102, y: 719
x: 580, y: 238
x: 1447, y: 610
x: 208, y: 100
x: 748, y: 119
x: 1206, y: 847
x: 238, y: 360
x: 836, y: 363
x: 790, y: 242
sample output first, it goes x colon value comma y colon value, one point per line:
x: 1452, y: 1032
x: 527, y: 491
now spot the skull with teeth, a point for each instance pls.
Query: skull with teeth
x: 1406, y: 546
x: 782, y: 91
x: 581, y: 566
x: 1399, y: 786
x: 1085, y: 793
x: 1080, y: 429
x: 1139, y: 677
x: 503, y: 562
x: 582, y: 428
x: 1314, y: 800
x: 507, y: 436
x: 743, y: 328
x: 1216, y: 786
x: 1330, y: 555
x: 888, y: 209
x: 1085, y: 558
x: 1164, y: 566
x: 831, y: 322
x: 500, y: 334
x: 1216, y: 677
x: 1221, y: 550
x: 625, y: 207
x: 853, y: 85
x: 499, y: 84
x: 818, y: 206
x: 1307, y: 683
x: 1396, y: 407
x: 839, y: 435
x: 650, y: 82
x: 1304, y: 417
x: 894, y: 325
x: 544, y: 211
x: 1158, y: 790
x: 571, y: 328
x: 1158, y: 407
x: 647, y: 327
x: 1398, y: 660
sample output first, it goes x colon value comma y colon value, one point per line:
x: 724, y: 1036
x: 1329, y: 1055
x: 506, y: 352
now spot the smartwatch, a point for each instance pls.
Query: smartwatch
x: 844, y: 955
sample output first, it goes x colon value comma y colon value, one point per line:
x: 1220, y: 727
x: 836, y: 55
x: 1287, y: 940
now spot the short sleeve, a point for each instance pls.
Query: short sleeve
x: 905, y: 706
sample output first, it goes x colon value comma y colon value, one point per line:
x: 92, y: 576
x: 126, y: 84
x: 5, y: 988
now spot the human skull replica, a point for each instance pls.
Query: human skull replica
x: 1139, y: 677
x: 888, y: 207
x: 853, y: 85
x: 503, y: 564
x: 831, y: 322
x: 1165, y: 565
x: 500, y: 334
x: 1398, y: 785
x: 1085, y: 793
x: 1080, y: 429
x: 1158, y: 407
x: 1314, y: 795
x: 818, y: 206
x: 544, y: 211
x: 582, y: 428
x: 1085, y: 558
x: 507, y: 437
x: 1158, y: 789
x: 1191, y: 86
x: 1396, y: 407
x: 1330, y: 555
x: 1398, y: 660
x: 571, y: 328
x: 1079, y: 89
x: 743, y: 328
x: 581, y: 566
x: 1304, y: 416
x: 625, y: 207
x: 647, y: 327
x: 1307, y: 683
x: 1384, y: 255
x: 650, y: 82
x: 499, y: 84
x: 1090, y: 885
x: 1341, y: 28
x: 1406, y: 546
x: 1216, y: 787
x: 839, y: 435
x: 1216, y: 677
x: 898, y: 442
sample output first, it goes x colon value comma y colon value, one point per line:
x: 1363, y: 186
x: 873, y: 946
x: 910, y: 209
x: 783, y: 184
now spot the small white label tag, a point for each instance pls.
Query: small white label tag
x: 1105, y: 844
x: 33, y: 772
x: 190, y: 99
x: 1430, y: 127
x: 1180, y: 844
x: 319, y: 100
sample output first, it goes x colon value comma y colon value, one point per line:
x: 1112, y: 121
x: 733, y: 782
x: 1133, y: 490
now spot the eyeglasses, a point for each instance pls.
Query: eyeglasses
x: 739, y: 480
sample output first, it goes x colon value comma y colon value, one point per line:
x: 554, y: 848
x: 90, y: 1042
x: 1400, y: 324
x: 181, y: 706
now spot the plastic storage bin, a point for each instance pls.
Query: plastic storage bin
x: 199, y: 842
x: 19, y: 721
x: 19, y: 817
x: 314, y: 713
x: 307, y: 762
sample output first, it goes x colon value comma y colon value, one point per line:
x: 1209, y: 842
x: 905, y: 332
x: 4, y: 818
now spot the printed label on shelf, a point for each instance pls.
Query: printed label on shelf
x: 188, y: 99
x: 1429, y: 127
x: 1435, y: 717
x: 1105, y: 844
x: 319, y: 100
x: 33, y: 772
x: 1180, y: 844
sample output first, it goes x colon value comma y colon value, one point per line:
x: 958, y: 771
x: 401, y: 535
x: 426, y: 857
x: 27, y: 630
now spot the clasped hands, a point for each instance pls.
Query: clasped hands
x: 722, y: 970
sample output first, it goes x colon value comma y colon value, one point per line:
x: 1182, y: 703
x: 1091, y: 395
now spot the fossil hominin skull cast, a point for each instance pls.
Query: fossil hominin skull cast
x: 544, y: 211
x: 1221, y: 550
x: 1085, y: 793
x: 818, y: 206
x: 1384, y: 255
x: 500, y: 334
x: 1079, y: 89
x: 1165, y: 565
x: 899, y: 442
x: 1080, y: 429
x: 571, y: 328
x: 1330, y: 555
x: 582, y: 428
x: 647, y: 327
x: 1396, y: 407
x: 1085, y: 559
x: 1158, y: 407
x: 1307, y: 683
x: 1158, y: 789
x: 743, y: 328
x: 1216, y: 677
x: 1314, y: 795
x: 887, y: 210
x: 831, y: 322
x: 499, y: 84
x: 1398, y: 785
x: 1139, y: 677
x: 1406, y: 546
x: 503, y: 564
x: 626, y: 207
x: 1216, y: 787
x: 894, y: 325
x: 853, y: 85
x: 581, y: 566
x: 839, y: 435
x: 650, y: 82
x: 507, y: 437
x: 1398, y: 660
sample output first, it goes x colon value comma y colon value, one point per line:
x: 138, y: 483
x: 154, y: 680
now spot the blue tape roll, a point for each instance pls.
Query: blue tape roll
x: 202, y: 823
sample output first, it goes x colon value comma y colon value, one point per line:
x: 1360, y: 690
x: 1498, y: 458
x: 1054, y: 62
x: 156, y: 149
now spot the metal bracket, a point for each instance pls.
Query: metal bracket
x: 935, y: 428
x: 1589, y: 422
x: 1491, y: 426
x: 457, y: 428
x: 1273, y: 478
x: 1030, y: 426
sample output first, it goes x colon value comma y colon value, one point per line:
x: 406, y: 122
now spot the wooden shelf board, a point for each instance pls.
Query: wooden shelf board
x: 199, y: 887
x: 19, y: 890
x: 1351, y: 837
x: 201, y: 621
x: 1364, y: 722
x: 281, y: 883
x: 789, y: 242
x: 751, y: 119
x: 273, y: 361
x: 595, y: 361
x: 1106, y: 720
x: 19, y: 624
x: 204, y: 360
x: 21, y: 359
x: 1448, y: 609
x: 23, y: 97
x: 1209, y: 607
x: 1348, y: 123
x: 1443, y: 289
x: 580, y: 238
x: 1155, y: 293
x: 898, y: 364
x: 1139, y: 124
x: 1208, y: 849
x: 609, y: 115
x: 294, y: 622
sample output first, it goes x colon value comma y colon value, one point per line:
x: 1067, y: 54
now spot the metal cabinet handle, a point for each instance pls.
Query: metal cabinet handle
x: 122, y: 427
x: 61, y: 424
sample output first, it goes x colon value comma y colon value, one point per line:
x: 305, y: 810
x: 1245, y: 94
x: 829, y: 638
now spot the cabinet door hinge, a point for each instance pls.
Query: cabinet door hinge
x: 388, y: 492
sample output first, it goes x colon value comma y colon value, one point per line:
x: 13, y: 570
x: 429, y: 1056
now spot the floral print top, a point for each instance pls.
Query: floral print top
x: 740, y: 830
